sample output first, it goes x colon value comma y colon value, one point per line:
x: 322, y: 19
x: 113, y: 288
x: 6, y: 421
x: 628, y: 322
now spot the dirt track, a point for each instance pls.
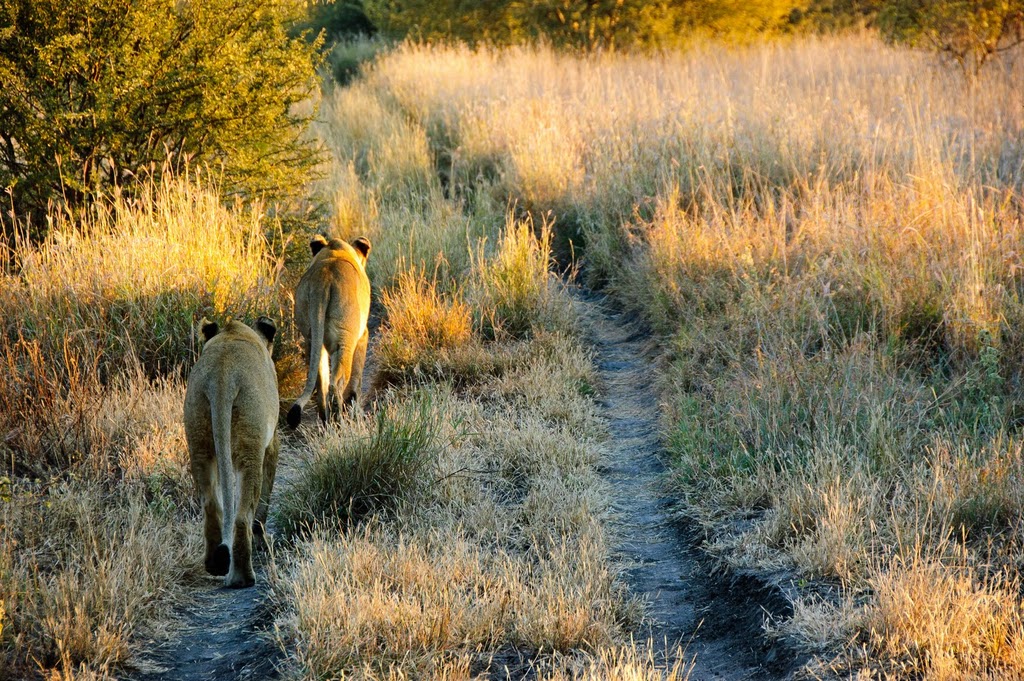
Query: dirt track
x: 719, y: 623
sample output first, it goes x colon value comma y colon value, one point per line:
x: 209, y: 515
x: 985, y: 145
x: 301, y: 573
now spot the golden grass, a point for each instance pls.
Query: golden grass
x: 428, y: 334
x: 939, y: 619
x: 98, y: 522
x: 130, y: 278
x: 827, y: 234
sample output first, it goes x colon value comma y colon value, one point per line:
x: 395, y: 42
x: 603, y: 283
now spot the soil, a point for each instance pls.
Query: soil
x: 223, y: 637
x: 716, y: 619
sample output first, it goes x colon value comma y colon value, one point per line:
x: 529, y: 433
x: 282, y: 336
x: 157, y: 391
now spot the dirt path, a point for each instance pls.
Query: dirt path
x: 719, y: 623
x: 223, y: 634
x: 221, y: 638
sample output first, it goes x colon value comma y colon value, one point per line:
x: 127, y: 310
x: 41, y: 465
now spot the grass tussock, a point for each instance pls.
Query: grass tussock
x: 945, y: 620
x: 428, y: 334
x: 515, y: 287
x: 350, y: 479
x: 625, y: 663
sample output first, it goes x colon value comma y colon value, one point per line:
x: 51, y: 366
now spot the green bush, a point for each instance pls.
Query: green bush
x: 97, y: 93
x: 349, y: 479
x: 577, y: 24
x: 970, y: 32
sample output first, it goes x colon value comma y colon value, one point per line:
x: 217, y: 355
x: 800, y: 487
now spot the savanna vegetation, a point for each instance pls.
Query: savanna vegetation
x: 822, y: 233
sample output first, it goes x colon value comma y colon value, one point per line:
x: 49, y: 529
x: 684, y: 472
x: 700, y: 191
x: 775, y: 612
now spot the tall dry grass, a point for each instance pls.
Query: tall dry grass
x: 826, y: 234
x: 502, y: 546
x: 98, y: 524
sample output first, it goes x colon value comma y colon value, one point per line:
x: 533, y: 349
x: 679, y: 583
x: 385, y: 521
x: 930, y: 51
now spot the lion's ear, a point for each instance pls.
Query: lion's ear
x: 362, y: 244
x: 317, y: 243
x: 207, y: 330
x: 265, y: 327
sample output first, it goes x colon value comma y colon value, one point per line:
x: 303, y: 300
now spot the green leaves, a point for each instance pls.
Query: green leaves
x: 97, y: 93
x: 969, y: 32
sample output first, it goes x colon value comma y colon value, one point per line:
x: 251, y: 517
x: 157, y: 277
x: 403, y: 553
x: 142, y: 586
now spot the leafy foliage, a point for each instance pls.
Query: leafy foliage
x: 340, y: 18
x: 968, y: 31
x: 586, y: 24
x: 96, y: 93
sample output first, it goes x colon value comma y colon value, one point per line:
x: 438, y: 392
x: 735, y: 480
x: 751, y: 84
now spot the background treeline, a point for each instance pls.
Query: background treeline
x: 95, y: 95
x: 968, y: 32
x: 589, y: 24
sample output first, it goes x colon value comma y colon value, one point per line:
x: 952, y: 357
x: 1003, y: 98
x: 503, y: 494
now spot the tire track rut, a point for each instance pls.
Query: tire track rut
x: 719, y: 623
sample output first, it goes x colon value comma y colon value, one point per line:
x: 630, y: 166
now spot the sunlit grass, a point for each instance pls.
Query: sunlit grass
x: 826, y: 233
x: 130, y: 278
x: 98, y: 522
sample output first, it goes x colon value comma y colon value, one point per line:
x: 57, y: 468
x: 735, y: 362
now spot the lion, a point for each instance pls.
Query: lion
x: 332, y: 306
x: 231, y: 411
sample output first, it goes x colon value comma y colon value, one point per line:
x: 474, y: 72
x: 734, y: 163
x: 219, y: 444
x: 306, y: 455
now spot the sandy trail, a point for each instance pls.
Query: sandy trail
x: 718, y: 623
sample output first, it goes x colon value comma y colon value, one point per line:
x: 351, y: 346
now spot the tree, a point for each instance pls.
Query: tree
x: 580, y: 24
x: 96, y: 93
x: 968, y: 31
x: 471, y: 21
x: 339, y: 19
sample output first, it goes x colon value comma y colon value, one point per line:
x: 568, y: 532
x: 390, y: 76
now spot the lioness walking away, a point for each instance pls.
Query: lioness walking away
x: 332, y: 305
x: 231, y: 407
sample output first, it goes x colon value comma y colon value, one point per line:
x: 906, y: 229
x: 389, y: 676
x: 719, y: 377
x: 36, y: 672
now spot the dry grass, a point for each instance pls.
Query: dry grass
x: 514, y: 288
x: 428, y: 334
x: 937, y: 617
x: 505, y: 548
x: 129, y: 279
x: 98, y: 522
x: 827, y: 234
x: 89, y: 565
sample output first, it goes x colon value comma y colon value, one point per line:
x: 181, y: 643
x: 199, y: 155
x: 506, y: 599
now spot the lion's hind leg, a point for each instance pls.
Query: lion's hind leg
x: 269, y: 472
x: 218, y: 557
x: 241, y: 574
x: 323, y: 385
x: 353, y: 391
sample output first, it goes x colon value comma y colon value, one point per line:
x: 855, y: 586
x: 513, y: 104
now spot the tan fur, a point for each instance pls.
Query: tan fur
x: 332, y: 305
x: 231, y: 408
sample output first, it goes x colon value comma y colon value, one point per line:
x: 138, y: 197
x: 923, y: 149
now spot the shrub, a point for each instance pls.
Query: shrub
x: 95, y: 94
x: 970, y: 32
x: 352, y: 478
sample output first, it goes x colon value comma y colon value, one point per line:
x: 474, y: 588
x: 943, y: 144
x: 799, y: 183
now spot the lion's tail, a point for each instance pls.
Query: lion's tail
x: 220, y: 416
x: 319, y: 362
